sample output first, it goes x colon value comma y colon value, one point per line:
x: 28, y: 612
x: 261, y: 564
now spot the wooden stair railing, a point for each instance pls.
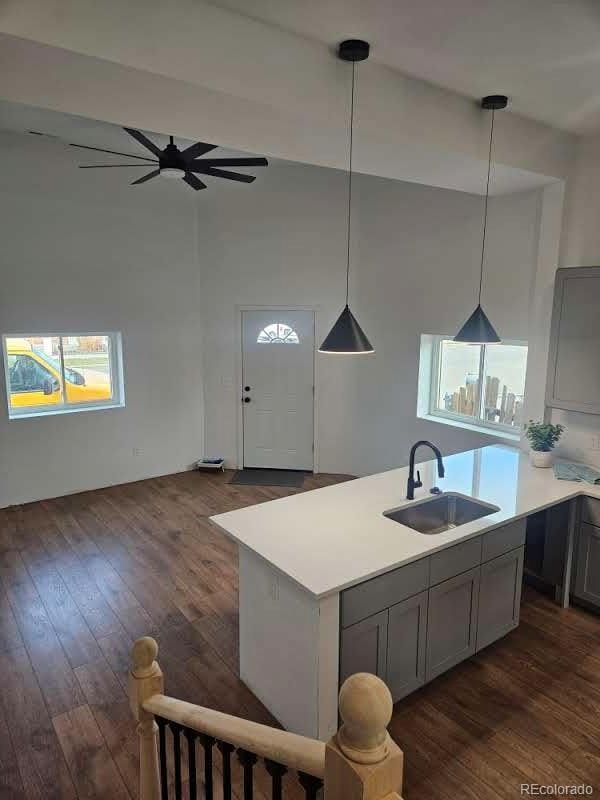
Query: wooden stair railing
x: 361, y: 762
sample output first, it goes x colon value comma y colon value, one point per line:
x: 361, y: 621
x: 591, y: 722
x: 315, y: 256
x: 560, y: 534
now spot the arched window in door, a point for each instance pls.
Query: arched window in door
x: 277, y: 333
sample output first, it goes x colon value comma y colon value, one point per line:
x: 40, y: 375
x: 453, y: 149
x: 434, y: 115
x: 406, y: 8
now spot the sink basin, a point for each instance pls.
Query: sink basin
x: 441, y: 513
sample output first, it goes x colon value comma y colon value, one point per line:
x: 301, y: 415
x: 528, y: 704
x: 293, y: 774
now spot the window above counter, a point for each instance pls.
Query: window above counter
x: 480, y: 387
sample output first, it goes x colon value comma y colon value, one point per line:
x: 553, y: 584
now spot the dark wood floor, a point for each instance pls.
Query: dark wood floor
x: 82, y: 576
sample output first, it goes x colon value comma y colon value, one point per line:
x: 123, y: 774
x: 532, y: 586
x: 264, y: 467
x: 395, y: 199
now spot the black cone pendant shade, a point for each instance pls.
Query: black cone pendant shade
x: 478, y: 329
x: 347, y: 336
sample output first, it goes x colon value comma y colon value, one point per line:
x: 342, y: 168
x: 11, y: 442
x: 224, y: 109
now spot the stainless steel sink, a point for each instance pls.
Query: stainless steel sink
x: 441, y: 513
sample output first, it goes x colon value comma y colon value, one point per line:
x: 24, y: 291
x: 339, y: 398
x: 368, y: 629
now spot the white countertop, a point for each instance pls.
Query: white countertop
x: 328, y: 539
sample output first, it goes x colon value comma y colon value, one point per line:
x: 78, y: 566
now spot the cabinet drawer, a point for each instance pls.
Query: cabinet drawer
x: 455, y: 560
x: 503, y: 539
x: 590, y: 510
x: 383, y: 591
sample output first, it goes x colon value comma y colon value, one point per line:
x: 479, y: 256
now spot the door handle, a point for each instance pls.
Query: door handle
x: 246, y: 388
x: 245, y: 399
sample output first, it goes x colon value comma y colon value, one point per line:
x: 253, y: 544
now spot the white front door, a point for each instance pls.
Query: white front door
x: 277, y: 388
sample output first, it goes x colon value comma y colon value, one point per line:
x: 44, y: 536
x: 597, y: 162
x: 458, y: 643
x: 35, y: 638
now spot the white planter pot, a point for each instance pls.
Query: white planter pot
x: 541, y: 458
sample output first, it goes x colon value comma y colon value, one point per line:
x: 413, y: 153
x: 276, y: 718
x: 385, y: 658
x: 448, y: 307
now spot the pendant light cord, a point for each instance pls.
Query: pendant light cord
x: 485, y: 208
x: 350, y: 182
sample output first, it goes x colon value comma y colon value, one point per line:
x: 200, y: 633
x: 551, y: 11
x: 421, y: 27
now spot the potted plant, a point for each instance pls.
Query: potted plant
x: 542, y: 439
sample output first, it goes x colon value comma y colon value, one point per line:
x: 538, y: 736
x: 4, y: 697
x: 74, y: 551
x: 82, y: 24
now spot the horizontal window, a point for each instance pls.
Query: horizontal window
x: 48, y: 374
x: 478, y: 385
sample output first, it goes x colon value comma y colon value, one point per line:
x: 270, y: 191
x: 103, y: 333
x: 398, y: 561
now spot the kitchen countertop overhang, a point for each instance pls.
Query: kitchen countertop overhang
x: 328, y: 539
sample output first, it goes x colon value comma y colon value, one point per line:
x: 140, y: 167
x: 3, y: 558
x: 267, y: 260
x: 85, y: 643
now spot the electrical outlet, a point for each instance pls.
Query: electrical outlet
x: 595, y: 443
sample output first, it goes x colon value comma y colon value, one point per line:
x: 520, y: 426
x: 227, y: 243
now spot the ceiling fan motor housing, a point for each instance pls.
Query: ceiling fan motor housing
x: 171, y: 159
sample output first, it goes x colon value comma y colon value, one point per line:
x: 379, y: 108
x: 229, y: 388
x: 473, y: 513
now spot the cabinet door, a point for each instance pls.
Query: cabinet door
x: 574, y: 367
x: 407, y: 634
x: 555, y: 543
x: 451, y: 622
x: 587, y: 579
x: 499, y: 597
x: 364, y: 647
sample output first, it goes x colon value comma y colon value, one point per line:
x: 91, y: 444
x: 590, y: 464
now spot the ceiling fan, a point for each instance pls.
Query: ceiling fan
x: 175, y: 163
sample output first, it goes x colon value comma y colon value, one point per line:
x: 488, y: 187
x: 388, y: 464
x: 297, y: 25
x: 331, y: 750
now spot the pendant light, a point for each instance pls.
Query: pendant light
x: 347, y: 336
x: 478, y: 329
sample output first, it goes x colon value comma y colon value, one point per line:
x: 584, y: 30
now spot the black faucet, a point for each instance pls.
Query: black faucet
x: 416, y: 484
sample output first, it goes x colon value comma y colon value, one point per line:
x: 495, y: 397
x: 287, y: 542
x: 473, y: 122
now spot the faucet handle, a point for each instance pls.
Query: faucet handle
x: 418, y: 483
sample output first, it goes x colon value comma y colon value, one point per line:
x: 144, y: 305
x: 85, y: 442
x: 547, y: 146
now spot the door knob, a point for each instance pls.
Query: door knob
x: 246, y: 399
x: 246, y: 388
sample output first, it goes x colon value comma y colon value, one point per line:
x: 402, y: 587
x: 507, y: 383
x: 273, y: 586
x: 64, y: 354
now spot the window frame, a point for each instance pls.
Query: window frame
x: 289, y: 339
x: 65, y: 407
x: 475, y: 421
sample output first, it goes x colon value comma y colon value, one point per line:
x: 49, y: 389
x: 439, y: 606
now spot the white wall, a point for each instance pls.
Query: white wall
x: 415, y: 270
x: 580, y: 247
x: 82, y: 250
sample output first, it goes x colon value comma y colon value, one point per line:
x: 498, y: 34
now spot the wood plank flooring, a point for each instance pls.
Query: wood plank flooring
x: 82, y: 576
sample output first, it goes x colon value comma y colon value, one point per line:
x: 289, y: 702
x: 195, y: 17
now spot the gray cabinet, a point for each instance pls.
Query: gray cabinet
x: 574, y: 366
x: 451, y: 622
x: 587, y: 576
x: 363, y: 647
x: 499, y: 597
x: 413, y: 623
x: 407, y: 629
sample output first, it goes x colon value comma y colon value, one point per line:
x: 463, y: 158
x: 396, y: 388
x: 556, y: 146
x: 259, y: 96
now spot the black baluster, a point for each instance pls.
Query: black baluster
x: 310, y: 784
x: 226, y: 751
x: 248, y: 760
x: 191, y: 735
x: 162, y: 750
x: 176, y: 730
x: 276, y: 771
x: 207, y: 744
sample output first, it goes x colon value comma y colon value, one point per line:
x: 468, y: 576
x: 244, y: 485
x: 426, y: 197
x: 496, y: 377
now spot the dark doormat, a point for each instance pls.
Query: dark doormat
x: 269, y: 477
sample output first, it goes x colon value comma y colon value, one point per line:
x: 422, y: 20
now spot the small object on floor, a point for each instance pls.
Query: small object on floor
x: 211, y: 464
x: 568, y: 471
x: 269, y: 477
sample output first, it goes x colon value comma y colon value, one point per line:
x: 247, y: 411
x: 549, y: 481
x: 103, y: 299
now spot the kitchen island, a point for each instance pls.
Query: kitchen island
x: 328, y: 584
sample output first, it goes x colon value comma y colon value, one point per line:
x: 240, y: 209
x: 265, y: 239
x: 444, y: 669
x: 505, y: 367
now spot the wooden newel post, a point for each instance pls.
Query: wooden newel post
x: 146, y: 680
x: 361, y: 760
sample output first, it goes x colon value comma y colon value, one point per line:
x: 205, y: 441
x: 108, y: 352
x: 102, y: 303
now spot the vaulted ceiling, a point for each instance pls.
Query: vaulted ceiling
x: 544, y: 54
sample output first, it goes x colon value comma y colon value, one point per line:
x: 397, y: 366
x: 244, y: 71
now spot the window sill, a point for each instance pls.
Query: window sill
x: 62, y: 411
x: 468, y: 426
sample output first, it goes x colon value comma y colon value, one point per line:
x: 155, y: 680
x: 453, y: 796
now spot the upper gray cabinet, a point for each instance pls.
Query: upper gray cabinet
x: 574, y: 362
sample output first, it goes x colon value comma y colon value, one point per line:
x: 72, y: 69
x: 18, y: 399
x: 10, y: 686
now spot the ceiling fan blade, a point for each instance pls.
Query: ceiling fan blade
x: 193, y: 181
x: 109, y: 166
x: 144, y: 140
x: 222, y: 173
x: 147, y: 177
x: 198, y: 149
x: 234, y: 162
x: 114, y: 152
